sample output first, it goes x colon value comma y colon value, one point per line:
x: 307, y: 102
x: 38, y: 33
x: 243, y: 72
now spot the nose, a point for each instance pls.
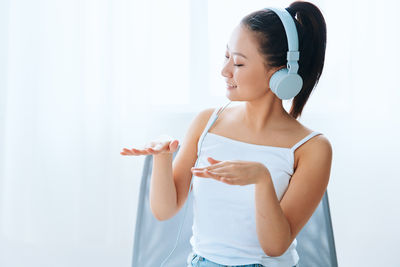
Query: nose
x: 226, y: 72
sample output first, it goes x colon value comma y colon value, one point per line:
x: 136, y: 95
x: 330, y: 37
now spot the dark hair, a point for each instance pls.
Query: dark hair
x: 270, y: 35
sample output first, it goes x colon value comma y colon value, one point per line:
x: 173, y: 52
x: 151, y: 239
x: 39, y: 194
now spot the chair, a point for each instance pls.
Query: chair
x: 154, y: 240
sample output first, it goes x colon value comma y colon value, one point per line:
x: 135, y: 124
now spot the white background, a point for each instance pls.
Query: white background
x: 80, y: 80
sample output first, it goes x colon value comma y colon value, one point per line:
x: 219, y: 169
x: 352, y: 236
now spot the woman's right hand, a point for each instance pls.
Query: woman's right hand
x: 162, y: 145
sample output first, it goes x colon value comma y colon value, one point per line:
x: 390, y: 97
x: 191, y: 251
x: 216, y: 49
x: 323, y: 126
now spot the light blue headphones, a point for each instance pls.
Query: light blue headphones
x: 286, y: 83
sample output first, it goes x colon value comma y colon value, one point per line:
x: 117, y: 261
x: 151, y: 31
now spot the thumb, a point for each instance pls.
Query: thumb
x: 212, y: 160
x: 173, y: 145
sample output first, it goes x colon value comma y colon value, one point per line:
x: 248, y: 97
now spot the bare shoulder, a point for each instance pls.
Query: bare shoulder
x: 318, y: 143
x: 322, y: 146
x: 200, y: 121
x: 318, y: 148
x: 321, y: 142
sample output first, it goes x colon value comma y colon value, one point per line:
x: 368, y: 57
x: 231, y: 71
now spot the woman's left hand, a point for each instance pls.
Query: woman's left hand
x: 234, y: 172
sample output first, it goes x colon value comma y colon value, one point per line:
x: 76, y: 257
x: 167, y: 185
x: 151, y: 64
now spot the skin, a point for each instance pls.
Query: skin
x: 263, y: 120
x: 262, y: 108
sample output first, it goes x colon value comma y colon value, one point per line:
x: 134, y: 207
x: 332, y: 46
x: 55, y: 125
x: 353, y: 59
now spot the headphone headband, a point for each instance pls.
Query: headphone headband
x: 293, y: 54
x: 286, y: 83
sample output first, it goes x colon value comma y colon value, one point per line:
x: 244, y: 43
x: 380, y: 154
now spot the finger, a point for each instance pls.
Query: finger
x: 212, y: 175
x: 153, y: 151
x: 173, y: 143
x: 135, y: 151
x: 228, y: 180
x: 212, y: 160
x: 130, y: 154
x: 126, y: 151
x: 205, y: 174
x: 221, y: 178
x: 199, y: 174
x: 221, y: 174
x: 211, y: 167
x: 221, y: 171
x: 144, y: 151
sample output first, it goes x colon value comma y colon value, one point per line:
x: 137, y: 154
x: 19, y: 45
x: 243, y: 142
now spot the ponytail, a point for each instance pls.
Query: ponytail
x: 312, y: 50
x: 271, y: 37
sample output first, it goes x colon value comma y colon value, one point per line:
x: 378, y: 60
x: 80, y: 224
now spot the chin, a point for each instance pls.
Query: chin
x: 234, y: 98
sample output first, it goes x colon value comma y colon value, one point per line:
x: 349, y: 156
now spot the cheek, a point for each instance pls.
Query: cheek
x: 243, y: 76
x: 252, y: 78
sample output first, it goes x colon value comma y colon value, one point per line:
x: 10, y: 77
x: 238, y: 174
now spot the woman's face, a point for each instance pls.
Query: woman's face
x: 244, y: 68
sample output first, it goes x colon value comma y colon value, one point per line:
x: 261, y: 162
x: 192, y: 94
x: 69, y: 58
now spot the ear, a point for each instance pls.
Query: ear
x: 270, y: 72
x: 275, y: 69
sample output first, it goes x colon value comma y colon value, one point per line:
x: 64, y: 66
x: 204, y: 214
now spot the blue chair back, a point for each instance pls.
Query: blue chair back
x: 154, y: 240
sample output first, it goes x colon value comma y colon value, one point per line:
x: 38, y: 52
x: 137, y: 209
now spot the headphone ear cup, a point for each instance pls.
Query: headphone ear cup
x: 285, y: 85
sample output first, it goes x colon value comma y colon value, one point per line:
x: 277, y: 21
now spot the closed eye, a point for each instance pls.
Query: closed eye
x: 237, y: 65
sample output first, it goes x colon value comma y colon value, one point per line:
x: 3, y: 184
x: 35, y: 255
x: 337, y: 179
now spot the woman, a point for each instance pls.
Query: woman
x: 262, y: 172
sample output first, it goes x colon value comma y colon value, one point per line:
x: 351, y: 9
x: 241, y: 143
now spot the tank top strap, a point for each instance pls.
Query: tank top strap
x: 305, y: 139
x: 213, y: 118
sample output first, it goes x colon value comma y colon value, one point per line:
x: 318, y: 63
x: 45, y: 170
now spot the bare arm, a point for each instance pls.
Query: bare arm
x: 170, y: 180
x: 278, y: 223
x: 162, y: 187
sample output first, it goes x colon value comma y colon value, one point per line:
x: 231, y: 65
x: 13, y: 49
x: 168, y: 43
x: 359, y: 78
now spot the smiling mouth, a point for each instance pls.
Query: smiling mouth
x: 229, y: 86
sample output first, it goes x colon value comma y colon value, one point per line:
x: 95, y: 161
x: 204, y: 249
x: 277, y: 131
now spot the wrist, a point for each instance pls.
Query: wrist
x: 162, y: 156
x: 265, y: 175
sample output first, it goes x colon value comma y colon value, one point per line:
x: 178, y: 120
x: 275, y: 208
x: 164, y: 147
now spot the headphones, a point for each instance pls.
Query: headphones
x: 286, y: 83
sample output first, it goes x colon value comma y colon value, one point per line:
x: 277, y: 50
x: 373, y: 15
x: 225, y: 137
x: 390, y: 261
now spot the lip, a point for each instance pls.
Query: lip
x: 230, y: 86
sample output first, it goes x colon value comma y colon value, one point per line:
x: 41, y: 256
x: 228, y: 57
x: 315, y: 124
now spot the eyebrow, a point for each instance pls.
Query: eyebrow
x: 236, y: 53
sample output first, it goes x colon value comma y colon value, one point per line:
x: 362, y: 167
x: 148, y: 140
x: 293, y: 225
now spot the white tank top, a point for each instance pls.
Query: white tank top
x: 224, y: 225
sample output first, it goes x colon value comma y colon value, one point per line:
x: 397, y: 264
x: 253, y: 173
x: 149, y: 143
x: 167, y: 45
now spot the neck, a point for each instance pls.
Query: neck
x: 265, y: 114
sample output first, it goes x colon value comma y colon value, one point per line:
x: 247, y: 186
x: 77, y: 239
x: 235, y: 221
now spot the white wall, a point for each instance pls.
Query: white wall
x: 69, y: 102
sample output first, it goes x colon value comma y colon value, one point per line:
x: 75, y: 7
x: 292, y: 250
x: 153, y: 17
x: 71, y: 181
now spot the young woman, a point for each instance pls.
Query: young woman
x: 262, y: 172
